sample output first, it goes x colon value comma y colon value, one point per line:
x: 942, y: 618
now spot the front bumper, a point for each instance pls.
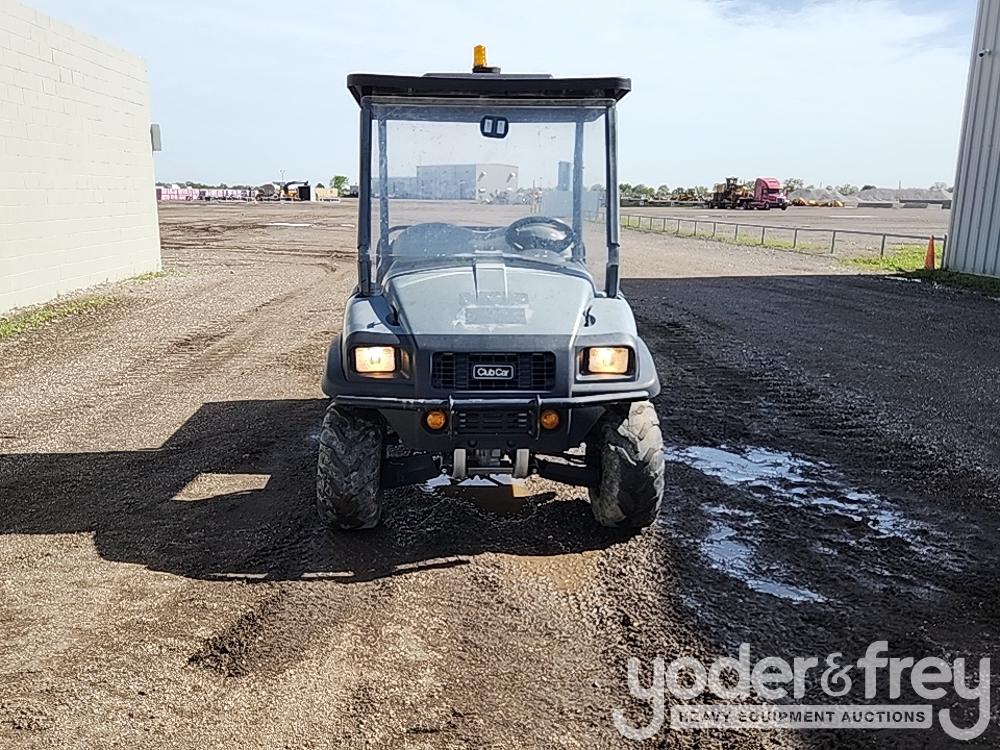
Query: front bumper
x: 520, y: 417
x: 450, y: 404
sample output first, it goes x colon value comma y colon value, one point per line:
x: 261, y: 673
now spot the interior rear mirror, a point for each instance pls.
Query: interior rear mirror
x: 494, y: 127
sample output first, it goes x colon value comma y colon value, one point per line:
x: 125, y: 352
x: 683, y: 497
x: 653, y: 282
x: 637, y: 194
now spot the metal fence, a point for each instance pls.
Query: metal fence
x: 800, y: 239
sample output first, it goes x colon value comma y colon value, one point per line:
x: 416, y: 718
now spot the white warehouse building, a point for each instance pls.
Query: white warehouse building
x: 974, y: 237
x: 77, y: 202
x: 459, y: 182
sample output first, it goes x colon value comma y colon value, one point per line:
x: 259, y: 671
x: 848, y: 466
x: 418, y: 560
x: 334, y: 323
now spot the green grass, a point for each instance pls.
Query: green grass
x: 908, y: 262
x: 902, y: 259
x: 153, y: 275
x: 149, y: 276
x: 20, y: 323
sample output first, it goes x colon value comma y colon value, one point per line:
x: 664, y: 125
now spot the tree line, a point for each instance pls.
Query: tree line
x: 339, y: 181
x: 664, y: 192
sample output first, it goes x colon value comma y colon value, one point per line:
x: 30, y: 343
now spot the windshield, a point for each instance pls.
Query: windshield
x: 459, y: 183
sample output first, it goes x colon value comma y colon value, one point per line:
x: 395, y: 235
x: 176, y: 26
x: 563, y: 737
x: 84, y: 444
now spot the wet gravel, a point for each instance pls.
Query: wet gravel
x: 831, y: 444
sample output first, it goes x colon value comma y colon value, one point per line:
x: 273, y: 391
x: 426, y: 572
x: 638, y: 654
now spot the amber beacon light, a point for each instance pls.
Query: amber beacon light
x: 479, y: 64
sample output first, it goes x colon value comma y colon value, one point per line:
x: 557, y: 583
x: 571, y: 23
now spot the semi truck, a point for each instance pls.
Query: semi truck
x: 766, y: 194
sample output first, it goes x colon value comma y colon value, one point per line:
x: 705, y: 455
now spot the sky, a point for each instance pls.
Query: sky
x: 829, y: 91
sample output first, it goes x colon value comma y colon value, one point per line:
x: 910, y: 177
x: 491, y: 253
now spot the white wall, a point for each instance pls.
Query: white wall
x: 974, y: 237
x: 77, y: 201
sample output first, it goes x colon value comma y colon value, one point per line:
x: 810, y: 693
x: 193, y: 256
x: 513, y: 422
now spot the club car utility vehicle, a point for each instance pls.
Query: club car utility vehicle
x: 487, y: 334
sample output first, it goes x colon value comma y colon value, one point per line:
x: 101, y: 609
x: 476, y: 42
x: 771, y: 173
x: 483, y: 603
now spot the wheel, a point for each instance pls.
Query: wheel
x: 348, y: 492
x: 627, y: 446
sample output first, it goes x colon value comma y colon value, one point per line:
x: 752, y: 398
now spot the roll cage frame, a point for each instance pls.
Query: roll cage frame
x: 454, y: 99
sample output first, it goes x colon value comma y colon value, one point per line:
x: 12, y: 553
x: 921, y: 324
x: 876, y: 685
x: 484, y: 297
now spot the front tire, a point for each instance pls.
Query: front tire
x: 348, y: 491
x: 627, y: 445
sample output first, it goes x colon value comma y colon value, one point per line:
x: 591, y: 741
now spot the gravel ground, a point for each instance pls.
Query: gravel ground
x: 916, y: 221
x: 832, y: 446
x: 817, y: 231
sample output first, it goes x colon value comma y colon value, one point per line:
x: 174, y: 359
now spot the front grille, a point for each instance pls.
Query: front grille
x: 533, y: 371
x: 492, y: 423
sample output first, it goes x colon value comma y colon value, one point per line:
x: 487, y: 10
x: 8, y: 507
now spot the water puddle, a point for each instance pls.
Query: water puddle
x: 783, y: 477
x: 736, y: 558
x: 833, y: 514
x: 752, y: 466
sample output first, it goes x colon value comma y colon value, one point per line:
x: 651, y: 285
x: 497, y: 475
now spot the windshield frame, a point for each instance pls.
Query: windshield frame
x: 372, y: 127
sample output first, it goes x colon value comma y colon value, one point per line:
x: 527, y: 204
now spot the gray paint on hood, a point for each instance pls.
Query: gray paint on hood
x: 490, y: 297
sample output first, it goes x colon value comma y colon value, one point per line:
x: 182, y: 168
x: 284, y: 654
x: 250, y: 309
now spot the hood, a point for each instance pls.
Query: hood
x: 490, y: 297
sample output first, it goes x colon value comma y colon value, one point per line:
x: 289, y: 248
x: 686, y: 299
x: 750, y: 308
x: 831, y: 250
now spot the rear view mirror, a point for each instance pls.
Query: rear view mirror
x: 494, y: 127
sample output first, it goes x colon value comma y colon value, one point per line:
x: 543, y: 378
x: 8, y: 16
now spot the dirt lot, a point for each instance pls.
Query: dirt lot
x: 833, y: 445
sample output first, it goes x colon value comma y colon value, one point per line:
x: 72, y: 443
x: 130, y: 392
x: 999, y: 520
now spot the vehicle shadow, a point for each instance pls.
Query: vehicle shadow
x: 231, y: 496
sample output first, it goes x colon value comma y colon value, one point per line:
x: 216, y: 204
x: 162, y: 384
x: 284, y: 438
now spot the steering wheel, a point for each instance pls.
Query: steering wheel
x: 540, y: 233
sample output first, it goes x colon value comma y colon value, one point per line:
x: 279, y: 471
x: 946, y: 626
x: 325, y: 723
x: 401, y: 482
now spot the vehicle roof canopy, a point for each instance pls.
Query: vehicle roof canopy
x: 770, y: 182
x: 486, y: 85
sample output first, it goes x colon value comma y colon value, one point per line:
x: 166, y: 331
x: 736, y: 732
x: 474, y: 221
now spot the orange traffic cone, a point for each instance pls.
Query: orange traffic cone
x: 930, y: 260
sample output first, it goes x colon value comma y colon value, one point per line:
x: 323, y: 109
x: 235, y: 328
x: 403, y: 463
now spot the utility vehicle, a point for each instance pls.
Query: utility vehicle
x: 487, y: 333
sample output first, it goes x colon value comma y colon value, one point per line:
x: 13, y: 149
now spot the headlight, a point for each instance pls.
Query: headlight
x: 607, y: 360
x: 369, y: 360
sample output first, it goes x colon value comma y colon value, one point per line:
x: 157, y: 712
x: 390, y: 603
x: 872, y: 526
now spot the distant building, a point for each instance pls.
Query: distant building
x: 459, y: 182
x: 326, y: 194
x: 565, y: 176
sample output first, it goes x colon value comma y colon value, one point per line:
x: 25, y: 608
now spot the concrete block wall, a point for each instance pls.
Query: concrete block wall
x: 77, y: 199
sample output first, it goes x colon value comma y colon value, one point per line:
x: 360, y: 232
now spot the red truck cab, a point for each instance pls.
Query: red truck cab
x: 767, y: 194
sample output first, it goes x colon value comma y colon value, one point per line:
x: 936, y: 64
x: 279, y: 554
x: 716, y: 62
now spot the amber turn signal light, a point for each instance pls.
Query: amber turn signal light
x: 549, y: 419
x: 436, y: 420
